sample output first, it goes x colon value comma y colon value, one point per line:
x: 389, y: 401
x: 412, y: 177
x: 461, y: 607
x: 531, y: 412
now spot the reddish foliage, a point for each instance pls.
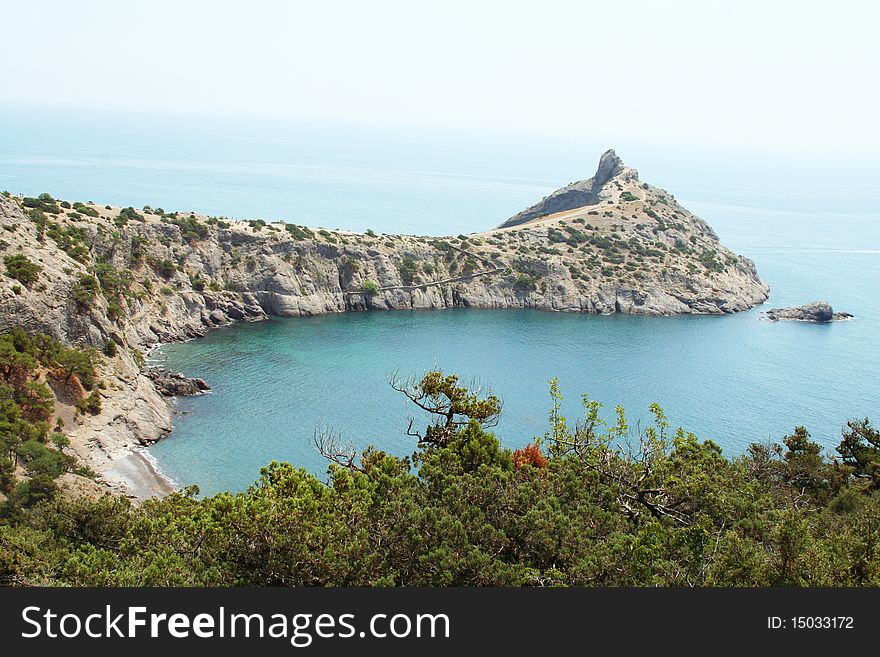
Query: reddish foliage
x: 529, y: 455
x: 67, y: 386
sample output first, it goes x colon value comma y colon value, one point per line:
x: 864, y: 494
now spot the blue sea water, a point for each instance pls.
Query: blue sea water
x: 811, y: 225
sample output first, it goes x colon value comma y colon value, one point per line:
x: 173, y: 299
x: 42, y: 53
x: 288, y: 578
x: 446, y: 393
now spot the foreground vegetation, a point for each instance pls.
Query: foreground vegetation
x: 591, y: 504
x: 32, y: 438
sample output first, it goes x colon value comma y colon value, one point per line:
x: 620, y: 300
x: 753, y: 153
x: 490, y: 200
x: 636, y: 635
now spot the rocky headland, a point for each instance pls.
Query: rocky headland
x: 121, y: 280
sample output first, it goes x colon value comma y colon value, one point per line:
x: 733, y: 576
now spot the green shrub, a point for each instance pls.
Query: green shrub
x: 525, y: 283
x: 90, y: 404
x: 191, y: 229
x: 43, y: 202
x: 165, y: 268
x: 138, y: 357
x: 138, y: 252
x: 82, y: 208
x: 114, y: 282
x: 126, y: 215
x: 371, y: 287
x: 408, y: 270
x: 71, y: 240
x: 22, y: 269
x: 85, y: 289
x: 198, y: 283
x: 298, y: 232
x: 115, y: 311
x: 40, y: 220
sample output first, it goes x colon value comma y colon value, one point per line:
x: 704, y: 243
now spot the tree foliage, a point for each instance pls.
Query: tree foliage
x: 22, y: 269
x: 593, y: 502
x: 31, y: 454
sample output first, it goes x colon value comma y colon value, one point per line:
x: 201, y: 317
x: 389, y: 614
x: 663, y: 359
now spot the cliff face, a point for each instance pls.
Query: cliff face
x: 609, y: 244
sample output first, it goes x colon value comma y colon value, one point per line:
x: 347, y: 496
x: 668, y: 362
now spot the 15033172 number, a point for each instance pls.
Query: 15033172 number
x: 822, y: 622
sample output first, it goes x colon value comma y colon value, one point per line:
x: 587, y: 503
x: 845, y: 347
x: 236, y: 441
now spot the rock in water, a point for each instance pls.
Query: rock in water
x: 817, y: 311
x: 176, y: 384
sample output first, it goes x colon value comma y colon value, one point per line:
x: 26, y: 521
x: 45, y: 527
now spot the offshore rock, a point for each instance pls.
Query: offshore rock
x: 817, y: 311
x: 172, y: 384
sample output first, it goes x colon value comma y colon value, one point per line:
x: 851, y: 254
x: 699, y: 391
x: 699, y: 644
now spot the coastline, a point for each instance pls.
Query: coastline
x: 135, y: 474
x: 643, y: 254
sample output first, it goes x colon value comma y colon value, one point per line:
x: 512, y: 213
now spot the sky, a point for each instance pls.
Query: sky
x: 777, y: 76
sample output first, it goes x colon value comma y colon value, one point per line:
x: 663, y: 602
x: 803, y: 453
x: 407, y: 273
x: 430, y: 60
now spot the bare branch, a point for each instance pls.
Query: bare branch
x: 329, y: 444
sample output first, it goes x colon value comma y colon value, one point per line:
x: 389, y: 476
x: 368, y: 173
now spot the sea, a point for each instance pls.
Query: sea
x: 810, y: 222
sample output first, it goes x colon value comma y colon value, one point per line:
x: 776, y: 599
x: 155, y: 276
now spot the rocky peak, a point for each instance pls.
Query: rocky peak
x: 581, y: 193
x: 610, y: 165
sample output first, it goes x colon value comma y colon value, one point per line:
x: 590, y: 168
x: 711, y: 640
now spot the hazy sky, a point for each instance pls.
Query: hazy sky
x: 781, y: 76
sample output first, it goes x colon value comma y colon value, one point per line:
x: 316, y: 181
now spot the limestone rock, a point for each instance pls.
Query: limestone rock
x: 817, y: 311
x: 175, y: 384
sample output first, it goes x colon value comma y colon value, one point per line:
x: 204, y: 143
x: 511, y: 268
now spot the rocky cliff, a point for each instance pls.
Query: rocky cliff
x: 90, y: 274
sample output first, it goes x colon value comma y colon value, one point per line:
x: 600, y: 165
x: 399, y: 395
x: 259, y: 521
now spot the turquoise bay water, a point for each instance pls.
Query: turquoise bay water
x: 812, y: 229
x: 733, y: 379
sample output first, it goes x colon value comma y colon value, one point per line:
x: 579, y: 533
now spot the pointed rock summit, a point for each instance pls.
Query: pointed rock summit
x: 581, y: 193
x: 610, y: 165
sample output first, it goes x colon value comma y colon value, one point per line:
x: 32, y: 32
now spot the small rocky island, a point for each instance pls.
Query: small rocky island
x: 817, y: 311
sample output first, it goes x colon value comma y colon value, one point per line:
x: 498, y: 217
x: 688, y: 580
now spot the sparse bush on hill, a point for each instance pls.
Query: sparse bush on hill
x: 525, y: 283
x: 85, y: 290
x: 408, y: 270
x: 82, y: 208
x: 126, y: 215
x: 43, y: 202
x: 191, y: 229
x: 22, y: 269
x: 110, y: 348
x: 299, y: 233
x: 90, y: 404
x: 165, y: 268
